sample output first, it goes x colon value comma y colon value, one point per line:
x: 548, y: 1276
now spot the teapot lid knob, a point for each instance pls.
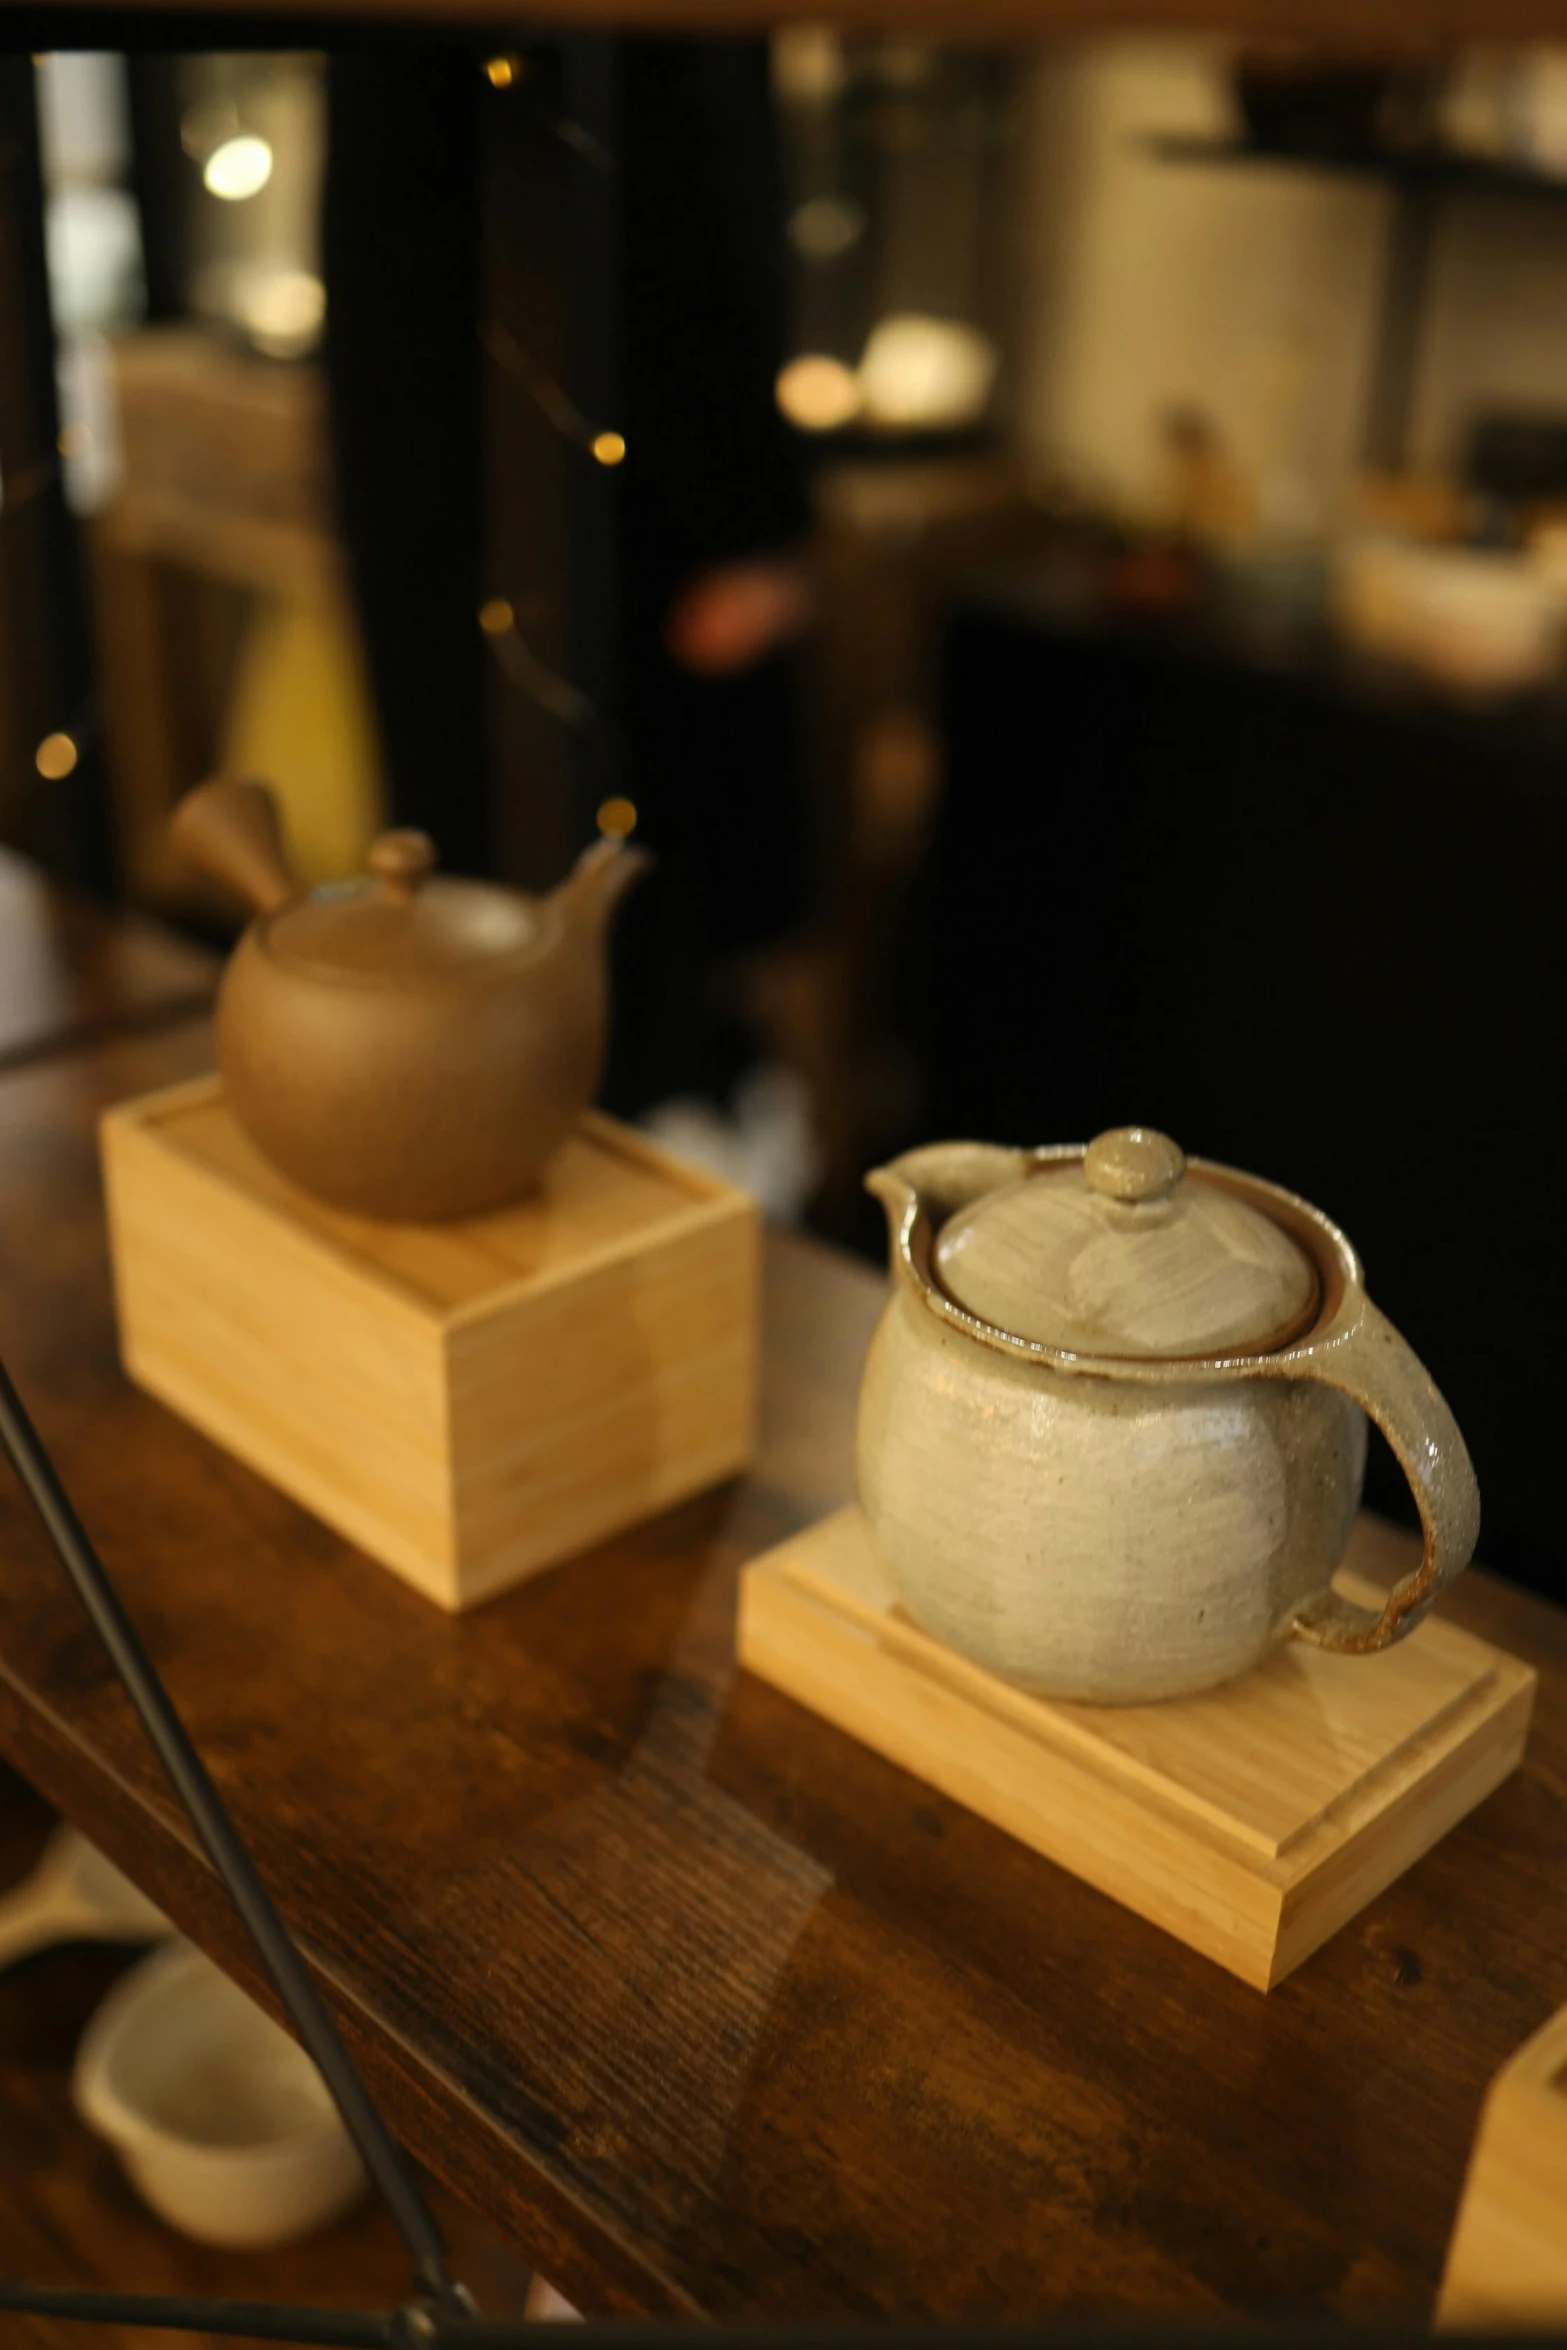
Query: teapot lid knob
x: 402, y: 860
x: 1134, y: 1164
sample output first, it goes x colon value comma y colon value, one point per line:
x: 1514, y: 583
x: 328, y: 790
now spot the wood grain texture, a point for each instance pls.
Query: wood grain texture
x: 468, y: 1402
x: 72, y: 970
x: 1378, y: 26
x: 1251, y: 1822
x: 699, y: 2000
x: 1507, y: 2265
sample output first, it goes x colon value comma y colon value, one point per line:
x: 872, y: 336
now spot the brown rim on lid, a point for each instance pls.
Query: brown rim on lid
x: 1125, y: 1253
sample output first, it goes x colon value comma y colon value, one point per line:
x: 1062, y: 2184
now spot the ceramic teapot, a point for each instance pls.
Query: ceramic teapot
x: 408, y: 1047
x: 1112, y: 1424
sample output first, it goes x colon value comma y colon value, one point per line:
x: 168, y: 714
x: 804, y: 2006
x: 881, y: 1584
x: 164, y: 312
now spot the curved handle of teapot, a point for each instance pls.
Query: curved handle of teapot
x: 1365, y: 1358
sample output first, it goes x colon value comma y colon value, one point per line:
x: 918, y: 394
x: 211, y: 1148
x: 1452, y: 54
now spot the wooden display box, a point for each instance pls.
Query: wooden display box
x: 1507, y: 2263
x: 468, y: 1402
x: 1252, y: 1821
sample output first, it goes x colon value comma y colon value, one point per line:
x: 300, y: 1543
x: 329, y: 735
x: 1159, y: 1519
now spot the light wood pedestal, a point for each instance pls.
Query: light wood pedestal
x: 1252, y: 1822
x: 1507, y: 2263
x: 468, y: 1402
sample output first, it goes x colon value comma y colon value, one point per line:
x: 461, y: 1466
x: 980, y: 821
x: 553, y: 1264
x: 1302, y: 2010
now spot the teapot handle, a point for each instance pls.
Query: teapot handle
x: 1367, y: 1360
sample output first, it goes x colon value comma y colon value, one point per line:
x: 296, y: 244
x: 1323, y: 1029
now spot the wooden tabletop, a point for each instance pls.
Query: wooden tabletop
x: 707, y: 2006
x: 72, y: 970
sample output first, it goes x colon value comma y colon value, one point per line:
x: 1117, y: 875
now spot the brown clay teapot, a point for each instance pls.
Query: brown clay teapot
x: 408, y: 1047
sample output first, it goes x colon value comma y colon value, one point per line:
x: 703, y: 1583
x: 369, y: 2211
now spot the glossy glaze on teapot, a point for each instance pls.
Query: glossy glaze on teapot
x: 1116, y: 1253
x: 409, y: 1047
x: 1119, y: 1525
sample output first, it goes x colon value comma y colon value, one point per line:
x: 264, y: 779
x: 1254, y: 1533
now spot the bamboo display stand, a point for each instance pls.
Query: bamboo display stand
x: 1252, y: 1821
x: 1507, y: 2263
x: 468, y: 1402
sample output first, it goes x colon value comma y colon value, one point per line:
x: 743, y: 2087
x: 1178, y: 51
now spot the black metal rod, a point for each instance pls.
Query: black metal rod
x: 246, y: 2321
x: 188, y: 1774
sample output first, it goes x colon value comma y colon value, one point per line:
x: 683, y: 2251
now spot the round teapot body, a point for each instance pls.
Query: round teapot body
x: 411, y: 1103
x: 1107, y: 1540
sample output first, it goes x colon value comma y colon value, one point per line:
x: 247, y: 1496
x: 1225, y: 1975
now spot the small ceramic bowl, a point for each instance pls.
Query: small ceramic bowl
x: 222, y: 2123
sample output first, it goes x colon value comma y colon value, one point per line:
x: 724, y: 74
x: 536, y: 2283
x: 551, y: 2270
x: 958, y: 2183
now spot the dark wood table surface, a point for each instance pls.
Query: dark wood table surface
x: 72, y: 970
x: 704, y: 2005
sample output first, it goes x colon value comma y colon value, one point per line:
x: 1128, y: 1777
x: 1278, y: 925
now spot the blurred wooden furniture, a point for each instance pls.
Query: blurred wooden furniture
x: 72, y: 970
x: 1508, y: 2264
x: 227, y: 479
x: 702, y: 2004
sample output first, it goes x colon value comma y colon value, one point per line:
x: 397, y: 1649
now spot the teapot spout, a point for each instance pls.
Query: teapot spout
x: 940, y: 1178
x: 897, y: 1196
x: 231, y: 830
x: 922, y: 1188
x: 596, y: 884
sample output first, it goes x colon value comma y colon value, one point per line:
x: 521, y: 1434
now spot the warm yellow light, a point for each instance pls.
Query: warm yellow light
x: 495, y: 617
x: 817, y: 393
x: 73, y: 440
x: 617, y: 818
x: 825, y: 227
x: 239, y: 168
x: 283, y: 308
x: 56, y: 757
x: 609, y: 448
x: 930, y: 374
x: 501, y: 72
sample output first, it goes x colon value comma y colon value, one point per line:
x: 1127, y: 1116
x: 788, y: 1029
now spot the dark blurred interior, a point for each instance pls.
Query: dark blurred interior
x: 1062, y: 556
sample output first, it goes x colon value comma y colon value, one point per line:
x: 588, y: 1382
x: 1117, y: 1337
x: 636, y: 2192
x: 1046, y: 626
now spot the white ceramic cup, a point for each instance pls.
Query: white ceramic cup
x: 222, y: 2123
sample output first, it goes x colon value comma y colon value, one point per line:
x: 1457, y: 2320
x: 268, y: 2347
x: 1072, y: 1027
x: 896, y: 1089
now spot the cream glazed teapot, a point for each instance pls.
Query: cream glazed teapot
x: 1112, y: 1424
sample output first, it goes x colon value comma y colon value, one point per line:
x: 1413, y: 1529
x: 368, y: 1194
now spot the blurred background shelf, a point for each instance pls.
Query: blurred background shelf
x: 1420, y: 180
x: 1432, y: 171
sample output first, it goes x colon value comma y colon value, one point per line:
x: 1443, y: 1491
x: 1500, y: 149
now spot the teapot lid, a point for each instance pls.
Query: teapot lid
x: 403, y: 925
x: 1125, y: 1251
